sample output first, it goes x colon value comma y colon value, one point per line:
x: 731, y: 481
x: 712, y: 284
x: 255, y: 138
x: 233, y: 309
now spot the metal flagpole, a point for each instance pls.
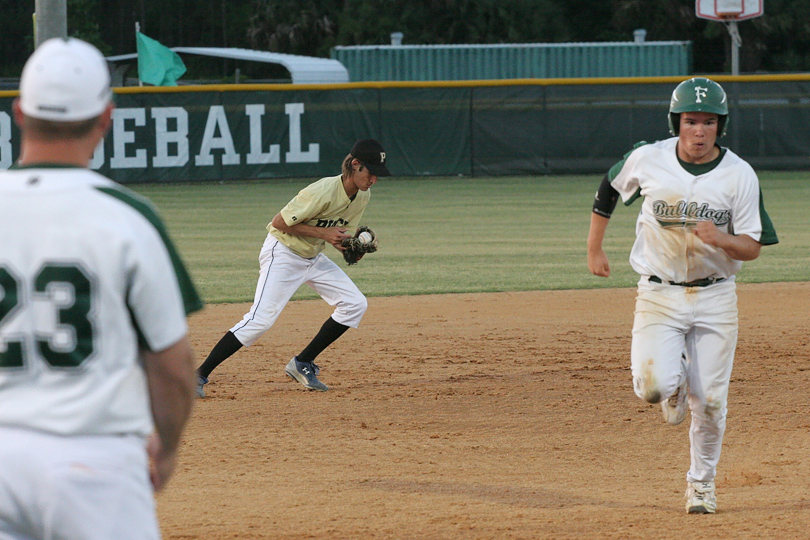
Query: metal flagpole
x: 137, y: 30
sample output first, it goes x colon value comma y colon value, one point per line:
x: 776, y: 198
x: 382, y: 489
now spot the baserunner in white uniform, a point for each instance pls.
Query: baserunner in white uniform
x: 96, y: 372
x: 325, y: 212
x: 701, y: 215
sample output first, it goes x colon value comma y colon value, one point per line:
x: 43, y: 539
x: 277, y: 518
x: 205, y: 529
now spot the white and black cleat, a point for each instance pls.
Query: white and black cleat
x: 306, y: 373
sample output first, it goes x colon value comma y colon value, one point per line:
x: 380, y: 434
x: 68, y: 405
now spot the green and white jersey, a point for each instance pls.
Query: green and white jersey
x: 675, y: 199
x: 321, y: 204
x: 87, y: 277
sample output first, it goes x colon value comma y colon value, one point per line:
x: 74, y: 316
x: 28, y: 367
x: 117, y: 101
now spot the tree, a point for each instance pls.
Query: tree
x: 16, y: 37
x: 83, y: 23
x: 306, y: 27
x: 453, y: 21
x: 777, y: 42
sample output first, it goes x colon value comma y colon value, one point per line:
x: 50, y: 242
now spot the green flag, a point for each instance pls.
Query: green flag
x: 158, y: 64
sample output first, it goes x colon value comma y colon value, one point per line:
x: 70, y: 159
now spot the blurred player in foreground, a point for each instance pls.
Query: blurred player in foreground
x: 96, y: 373
x: 325, y: 212
x: 701, y: 215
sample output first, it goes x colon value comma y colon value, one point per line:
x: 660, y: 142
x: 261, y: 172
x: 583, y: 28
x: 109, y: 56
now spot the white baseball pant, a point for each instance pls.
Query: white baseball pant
x: 701, y: 322
x: 282, y: 272
x: 64, y: 488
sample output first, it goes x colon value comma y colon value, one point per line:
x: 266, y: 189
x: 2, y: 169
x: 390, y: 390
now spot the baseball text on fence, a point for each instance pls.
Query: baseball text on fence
x: 175, y: 145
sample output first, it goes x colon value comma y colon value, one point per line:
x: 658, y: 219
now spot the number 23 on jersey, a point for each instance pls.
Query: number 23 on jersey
x: 65, y: 291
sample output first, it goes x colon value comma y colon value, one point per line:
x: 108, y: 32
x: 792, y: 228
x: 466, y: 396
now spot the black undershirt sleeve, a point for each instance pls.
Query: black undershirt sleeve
x: 606, y: 198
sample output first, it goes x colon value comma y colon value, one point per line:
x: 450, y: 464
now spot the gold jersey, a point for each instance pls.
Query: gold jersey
x: 321, y: 204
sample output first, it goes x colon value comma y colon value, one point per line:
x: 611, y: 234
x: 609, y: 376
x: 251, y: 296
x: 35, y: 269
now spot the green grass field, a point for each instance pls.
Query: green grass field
x: 453, y: 235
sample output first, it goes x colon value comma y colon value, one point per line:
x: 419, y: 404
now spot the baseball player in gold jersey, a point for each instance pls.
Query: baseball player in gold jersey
x: 701, y: 216
x: 325, y: 212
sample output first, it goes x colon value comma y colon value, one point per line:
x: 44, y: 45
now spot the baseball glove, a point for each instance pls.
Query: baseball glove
x: 355, y: 247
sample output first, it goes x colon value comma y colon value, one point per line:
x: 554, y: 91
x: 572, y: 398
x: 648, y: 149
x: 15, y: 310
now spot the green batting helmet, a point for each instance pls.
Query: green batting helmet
x: 698, y: 94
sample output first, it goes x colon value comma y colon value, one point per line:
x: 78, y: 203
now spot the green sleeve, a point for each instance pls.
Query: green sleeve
x: 614, y: 171
x: 191, y: 299
x: 768, y: 236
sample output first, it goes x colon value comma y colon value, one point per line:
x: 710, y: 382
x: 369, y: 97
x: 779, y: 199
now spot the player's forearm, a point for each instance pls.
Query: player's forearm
x: 302, y: 229
x: 598, y: 263
x: 740, y: 248
x: 596, y: 233
x: 171, y: 379
x: 299, y: 229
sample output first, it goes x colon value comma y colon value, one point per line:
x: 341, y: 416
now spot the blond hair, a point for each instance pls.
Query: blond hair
x: 346, y: 169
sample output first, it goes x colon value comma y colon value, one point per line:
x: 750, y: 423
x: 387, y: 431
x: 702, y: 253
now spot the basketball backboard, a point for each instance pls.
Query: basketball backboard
x: 729, y: 10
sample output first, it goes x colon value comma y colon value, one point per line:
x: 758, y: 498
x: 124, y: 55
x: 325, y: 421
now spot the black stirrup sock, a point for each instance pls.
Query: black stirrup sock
x: 221, y: 352
x: 327, y: 335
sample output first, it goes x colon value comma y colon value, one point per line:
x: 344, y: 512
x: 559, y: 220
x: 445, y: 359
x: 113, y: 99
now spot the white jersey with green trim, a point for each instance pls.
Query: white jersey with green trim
x: 87, y: 277
x: 674, y: 200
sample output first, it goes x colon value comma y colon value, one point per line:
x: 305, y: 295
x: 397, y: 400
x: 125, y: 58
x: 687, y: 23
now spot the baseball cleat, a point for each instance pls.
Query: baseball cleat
x: 676, y: 405
x: 306, y: 373
x: 700, y: 498
x: 201, y: 381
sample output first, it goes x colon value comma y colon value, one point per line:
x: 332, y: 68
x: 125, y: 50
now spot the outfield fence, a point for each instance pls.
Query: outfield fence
x: 453, y: 128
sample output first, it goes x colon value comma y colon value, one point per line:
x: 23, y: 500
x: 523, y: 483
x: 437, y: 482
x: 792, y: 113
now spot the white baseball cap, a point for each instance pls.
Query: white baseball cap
x: 65, y: 80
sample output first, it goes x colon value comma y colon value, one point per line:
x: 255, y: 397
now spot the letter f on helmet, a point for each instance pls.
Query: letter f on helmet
x: 698, y: 94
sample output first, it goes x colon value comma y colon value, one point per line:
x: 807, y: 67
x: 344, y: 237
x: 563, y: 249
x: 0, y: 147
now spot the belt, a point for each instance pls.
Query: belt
x: 705, y: 282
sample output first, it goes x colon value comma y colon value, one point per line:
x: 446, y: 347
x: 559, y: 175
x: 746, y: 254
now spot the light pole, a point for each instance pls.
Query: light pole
x: 50, y: 20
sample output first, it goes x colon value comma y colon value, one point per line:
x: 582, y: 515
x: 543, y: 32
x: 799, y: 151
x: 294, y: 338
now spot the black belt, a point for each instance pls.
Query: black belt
x: 705, y: 282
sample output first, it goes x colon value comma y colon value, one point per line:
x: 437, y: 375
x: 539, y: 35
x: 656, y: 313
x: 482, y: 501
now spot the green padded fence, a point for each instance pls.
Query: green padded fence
x: 467, y: 128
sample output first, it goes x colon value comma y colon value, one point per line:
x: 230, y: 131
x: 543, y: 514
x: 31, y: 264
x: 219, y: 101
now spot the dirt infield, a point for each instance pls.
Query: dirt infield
x: 487, y: 416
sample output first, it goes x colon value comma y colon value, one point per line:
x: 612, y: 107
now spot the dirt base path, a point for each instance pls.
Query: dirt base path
x: 485, y: 416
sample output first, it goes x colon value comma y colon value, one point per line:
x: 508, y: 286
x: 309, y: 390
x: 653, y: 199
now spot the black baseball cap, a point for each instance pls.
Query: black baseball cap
x: 371, y: 154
